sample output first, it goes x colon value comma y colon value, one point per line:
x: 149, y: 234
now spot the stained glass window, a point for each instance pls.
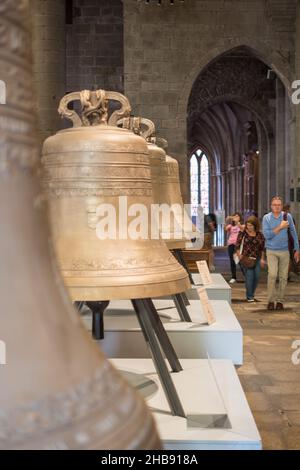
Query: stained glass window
x: 199, y: 174
x: 194, y: 172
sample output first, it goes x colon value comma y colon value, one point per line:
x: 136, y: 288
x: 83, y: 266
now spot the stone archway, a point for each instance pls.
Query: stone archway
x: 240, y: 76
x: 268, y: 55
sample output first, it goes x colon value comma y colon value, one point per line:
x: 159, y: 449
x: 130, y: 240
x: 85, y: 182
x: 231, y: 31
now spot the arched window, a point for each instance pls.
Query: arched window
x: 194, y: 174
x: 204, y: 183
x: 199, y: 171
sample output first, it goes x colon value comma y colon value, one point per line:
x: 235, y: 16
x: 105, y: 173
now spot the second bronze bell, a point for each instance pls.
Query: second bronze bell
x: 177, y: 230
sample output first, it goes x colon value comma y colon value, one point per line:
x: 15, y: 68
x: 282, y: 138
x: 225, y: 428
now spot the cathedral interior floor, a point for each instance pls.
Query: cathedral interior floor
x: 270, y: 379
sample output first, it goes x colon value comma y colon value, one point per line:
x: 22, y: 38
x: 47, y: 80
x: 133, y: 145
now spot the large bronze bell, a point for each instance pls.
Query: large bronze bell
x: 57, y: 390
x: 92, y: 164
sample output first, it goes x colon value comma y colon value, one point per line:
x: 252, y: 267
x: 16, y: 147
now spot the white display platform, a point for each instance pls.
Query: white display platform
x: 219, y: 289
x: 218, y: 415
x: 221, y: 340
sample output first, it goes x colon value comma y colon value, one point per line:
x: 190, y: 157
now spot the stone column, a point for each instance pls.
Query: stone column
x: 295, y: 165
x: 215, y: 196
x: 233, y: 190
x: 272, y: 167
x: 49, y: 62
x: 242, y: 190
x: 226, y: 192
x: 239, y: 185
x: 289, y: 138
x: 246, y: 183
x: 280, y: 167
x: 223, y: 192
x: 237, y: 190
x: 220, y: 203
x: 212, y: 192
x: 263, y: 180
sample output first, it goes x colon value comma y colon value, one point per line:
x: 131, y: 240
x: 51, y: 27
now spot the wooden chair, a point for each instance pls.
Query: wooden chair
x: 191, y: 256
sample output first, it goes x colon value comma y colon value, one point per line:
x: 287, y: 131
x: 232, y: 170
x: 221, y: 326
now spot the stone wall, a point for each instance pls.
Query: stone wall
x: 295, y: 167
x: 166, y: 47
x: 95, y: 45
x: 49, y: 65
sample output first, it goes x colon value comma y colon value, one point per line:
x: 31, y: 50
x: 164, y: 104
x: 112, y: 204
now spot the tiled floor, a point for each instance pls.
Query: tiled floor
x: 270, y: 379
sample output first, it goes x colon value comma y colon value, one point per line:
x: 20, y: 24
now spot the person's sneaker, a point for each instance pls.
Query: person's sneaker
x: 279, y: 306
x: 232, y: 281
x: 271, y: 306
x: 250, y: 300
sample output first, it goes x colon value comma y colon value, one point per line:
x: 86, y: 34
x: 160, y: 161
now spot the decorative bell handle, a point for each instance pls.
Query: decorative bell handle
x: 132, y: 123
x: 94, y: 105
x: 125, y: 109
x: 136, y: 124
x: 163, y: 143
x: 149, y: 132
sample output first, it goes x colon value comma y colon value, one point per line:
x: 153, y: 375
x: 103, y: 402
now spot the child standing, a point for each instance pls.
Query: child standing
x: 233, y: 227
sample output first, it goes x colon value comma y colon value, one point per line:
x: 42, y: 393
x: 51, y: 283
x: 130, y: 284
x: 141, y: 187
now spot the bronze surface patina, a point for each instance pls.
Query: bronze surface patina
x: 92, y: 164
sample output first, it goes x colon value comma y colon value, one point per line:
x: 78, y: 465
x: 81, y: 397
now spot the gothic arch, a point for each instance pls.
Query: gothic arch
x: 212, y: 161
x: 258, y: 49
x: 246, y: 71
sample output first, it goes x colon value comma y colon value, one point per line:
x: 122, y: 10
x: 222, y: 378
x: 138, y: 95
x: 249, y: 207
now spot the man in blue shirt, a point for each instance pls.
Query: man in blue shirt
x: 275, y: 230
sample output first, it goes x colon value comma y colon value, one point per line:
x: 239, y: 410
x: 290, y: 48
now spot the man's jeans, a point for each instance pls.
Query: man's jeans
x: 278, y: 265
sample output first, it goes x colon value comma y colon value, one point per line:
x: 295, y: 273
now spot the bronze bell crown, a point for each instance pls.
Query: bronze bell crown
x: 92, y: 164
x: 173, y: 193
